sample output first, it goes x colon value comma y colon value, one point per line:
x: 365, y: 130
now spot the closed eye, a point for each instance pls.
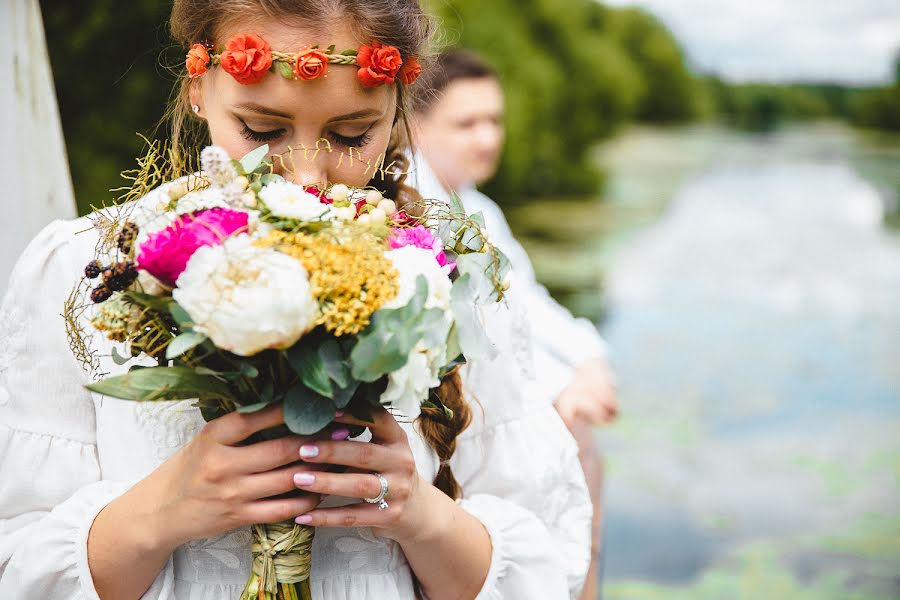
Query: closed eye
x: 260, y: 136
x: 350, y: 142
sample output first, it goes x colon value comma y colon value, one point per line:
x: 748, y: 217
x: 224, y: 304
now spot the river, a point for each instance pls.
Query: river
x: 750, y: 292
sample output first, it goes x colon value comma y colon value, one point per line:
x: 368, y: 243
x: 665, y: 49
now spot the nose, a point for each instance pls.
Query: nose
x: 304, y: 164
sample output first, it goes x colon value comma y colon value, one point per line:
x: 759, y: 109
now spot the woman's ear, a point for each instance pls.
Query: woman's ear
x: 196, y: 99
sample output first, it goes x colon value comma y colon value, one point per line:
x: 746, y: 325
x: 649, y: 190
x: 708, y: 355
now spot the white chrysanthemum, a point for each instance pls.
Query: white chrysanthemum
x: 411, y: 262
x: 408, y: 386
x: 246, y: 298
x: 191, y: 202
x: 216, y: 165
x: 291, y: 201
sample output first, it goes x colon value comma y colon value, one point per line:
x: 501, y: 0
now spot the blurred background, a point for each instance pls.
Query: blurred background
x: 716, y: 184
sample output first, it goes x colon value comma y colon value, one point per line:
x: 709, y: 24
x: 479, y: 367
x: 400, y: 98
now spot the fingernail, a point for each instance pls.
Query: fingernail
x: 340, y: 434
x: 303, y: 520
x: 339, y: 414
x: 304, y: 479
x: 309, y: 451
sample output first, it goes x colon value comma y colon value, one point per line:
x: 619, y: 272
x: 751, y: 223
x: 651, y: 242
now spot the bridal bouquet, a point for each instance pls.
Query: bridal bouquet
x: 246, y: 290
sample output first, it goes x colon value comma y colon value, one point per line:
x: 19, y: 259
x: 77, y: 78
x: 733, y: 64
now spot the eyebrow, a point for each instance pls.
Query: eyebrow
x: 264, y: 110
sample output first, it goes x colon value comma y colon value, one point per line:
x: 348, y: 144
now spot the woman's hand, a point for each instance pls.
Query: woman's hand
x: 389, y: 454
x: 215, y: 483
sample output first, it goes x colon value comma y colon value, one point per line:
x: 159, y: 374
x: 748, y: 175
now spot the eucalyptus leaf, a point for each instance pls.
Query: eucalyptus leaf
x: 309, y: 366
x: 183, y: 343
x: 335, y: 363
x: 251, y: 408
x: 306, y: 412
x: 163, y: 383
x: 118, y: 358
x: 254, y: 158
x: 180, y: 315
x: 469, y: 329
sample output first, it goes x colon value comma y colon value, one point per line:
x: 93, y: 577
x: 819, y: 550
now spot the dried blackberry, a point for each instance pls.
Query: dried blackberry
x: 93, y: 270
x: 101, y: 293
x: 126, y: 238
x: 120, y: 276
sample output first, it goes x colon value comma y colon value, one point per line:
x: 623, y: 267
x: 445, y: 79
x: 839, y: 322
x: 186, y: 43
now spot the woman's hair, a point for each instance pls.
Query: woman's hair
x: 400, y: 23
x: 448, y: 67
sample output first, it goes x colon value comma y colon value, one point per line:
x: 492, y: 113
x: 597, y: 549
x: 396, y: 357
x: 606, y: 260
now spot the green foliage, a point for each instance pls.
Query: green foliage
x: 575, y: 71
x: 879, y: 108
x: 110, y: 65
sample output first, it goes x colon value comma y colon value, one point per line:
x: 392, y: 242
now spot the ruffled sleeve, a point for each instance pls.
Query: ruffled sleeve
x: 519, y: 470
x: 51, y: 485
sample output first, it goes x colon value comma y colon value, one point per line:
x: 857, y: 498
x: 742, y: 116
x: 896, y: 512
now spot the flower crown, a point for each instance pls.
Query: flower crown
x: 247, y: 57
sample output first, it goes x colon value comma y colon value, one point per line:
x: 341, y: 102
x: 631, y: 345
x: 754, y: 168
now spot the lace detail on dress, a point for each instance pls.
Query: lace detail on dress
x: 220, y: 560
x: 169, y: 424
x: 12, y: 333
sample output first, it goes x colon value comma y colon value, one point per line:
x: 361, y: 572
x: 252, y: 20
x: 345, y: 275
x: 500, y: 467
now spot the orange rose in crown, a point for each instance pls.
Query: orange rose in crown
x: 247, y: 58
x: 378, y: 64
x: 197, y: 61
x: 310, y: 64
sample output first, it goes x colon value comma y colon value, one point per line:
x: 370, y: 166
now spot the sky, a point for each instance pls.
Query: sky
x: 847, y: 41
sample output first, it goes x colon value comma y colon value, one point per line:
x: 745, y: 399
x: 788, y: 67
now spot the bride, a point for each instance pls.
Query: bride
x: 101, y: 498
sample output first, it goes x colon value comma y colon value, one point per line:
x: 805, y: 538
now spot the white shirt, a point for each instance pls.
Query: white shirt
x: 65, y: 453
x: 560, y: 342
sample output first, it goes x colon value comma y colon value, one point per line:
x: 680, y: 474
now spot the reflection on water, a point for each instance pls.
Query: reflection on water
x: 752, y: 297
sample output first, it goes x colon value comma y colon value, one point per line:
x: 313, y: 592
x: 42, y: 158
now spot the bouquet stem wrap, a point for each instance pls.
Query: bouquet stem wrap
x: 282, y: 556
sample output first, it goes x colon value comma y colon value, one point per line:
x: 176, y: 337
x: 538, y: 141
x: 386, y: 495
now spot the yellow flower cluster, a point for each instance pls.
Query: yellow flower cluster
x: 351, y: 278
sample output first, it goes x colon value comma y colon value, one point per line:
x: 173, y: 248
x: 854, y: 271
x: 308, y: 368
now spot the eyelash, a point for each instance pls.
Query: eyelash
x: 260, y: 136
x: 268, y: 136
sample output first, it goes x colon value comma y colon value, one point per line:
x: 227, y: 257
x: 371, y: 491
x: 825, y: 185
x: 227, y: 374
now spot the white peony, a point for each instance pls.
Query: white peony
x: 245, y: 298
x: 408, y: 386
x: 217, y: 166
x: 411, y: 262
x: 201, y: 200
x: 291, y: 201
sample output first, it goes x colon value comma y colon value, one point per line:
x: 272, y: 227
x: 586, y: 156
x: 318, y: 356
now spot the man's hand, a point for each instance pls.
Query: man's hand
x: 590, y: 396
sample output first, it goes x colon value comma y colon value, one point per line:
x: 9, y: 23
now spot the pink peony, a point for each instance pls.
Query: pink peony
x: 166, y: 253
x: 421, y: 237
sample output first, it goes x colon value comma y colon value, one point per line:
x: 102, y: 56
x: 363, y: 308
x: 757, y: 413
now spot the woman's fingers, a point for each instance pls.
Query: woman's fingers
x: 272, y: 483
x: 279, y: 509
x: 271, y: 454
x: 362, y: 455
x: 354, y: 515
x: 384, y: 427
x: 235, y: 427
x: 350, y: 485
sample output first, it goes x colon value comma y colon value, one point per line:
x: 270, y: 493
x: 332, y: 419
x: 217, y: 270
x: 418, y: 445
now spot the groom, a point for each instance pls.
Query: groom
x: 458, y: 132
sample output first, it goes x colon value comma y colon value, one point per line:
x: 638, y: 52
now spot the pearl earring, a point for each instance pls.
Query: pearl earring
x: 195, y: 108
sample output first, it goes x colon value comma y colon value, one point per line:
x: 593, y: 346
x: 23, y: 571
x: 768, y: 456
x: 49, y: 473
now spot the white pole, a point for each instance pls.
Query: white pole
x: 34, y: 174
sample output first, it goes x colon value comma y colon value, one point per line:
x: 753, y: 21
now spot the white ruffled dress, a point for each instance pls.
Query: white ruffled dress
x: 65, y: 453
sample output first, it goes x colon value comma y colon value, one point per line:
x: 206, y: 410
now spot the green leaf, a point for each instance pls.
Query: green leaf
x: 285, y: 70
x: 464, y: 303
x: 163, y: 383
x: 381, y: 347
x: 251, y: 408
x: 349, y: 53
x: 118, y: 358
x: 147, y: 301
x: 180, y: 315
x: 271, y: 178
x: 343, y: 394
x: 330, y: 49
x: 306, y: 412
x: 335, y: 363
x: 254, y: 158
x: 309, y: 366
x: 183, y: 343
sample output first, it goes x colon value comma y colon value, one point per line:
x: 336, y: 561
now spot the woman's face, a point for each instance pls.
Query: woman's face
x: 290, y: 115
x: 461, y: 134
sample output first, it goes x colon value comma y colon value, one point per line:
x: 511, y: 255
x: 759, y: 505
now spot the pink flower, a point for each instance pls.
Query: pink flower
x: 311, y: 189
x: 166, y: 253
x: 421, y: 237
